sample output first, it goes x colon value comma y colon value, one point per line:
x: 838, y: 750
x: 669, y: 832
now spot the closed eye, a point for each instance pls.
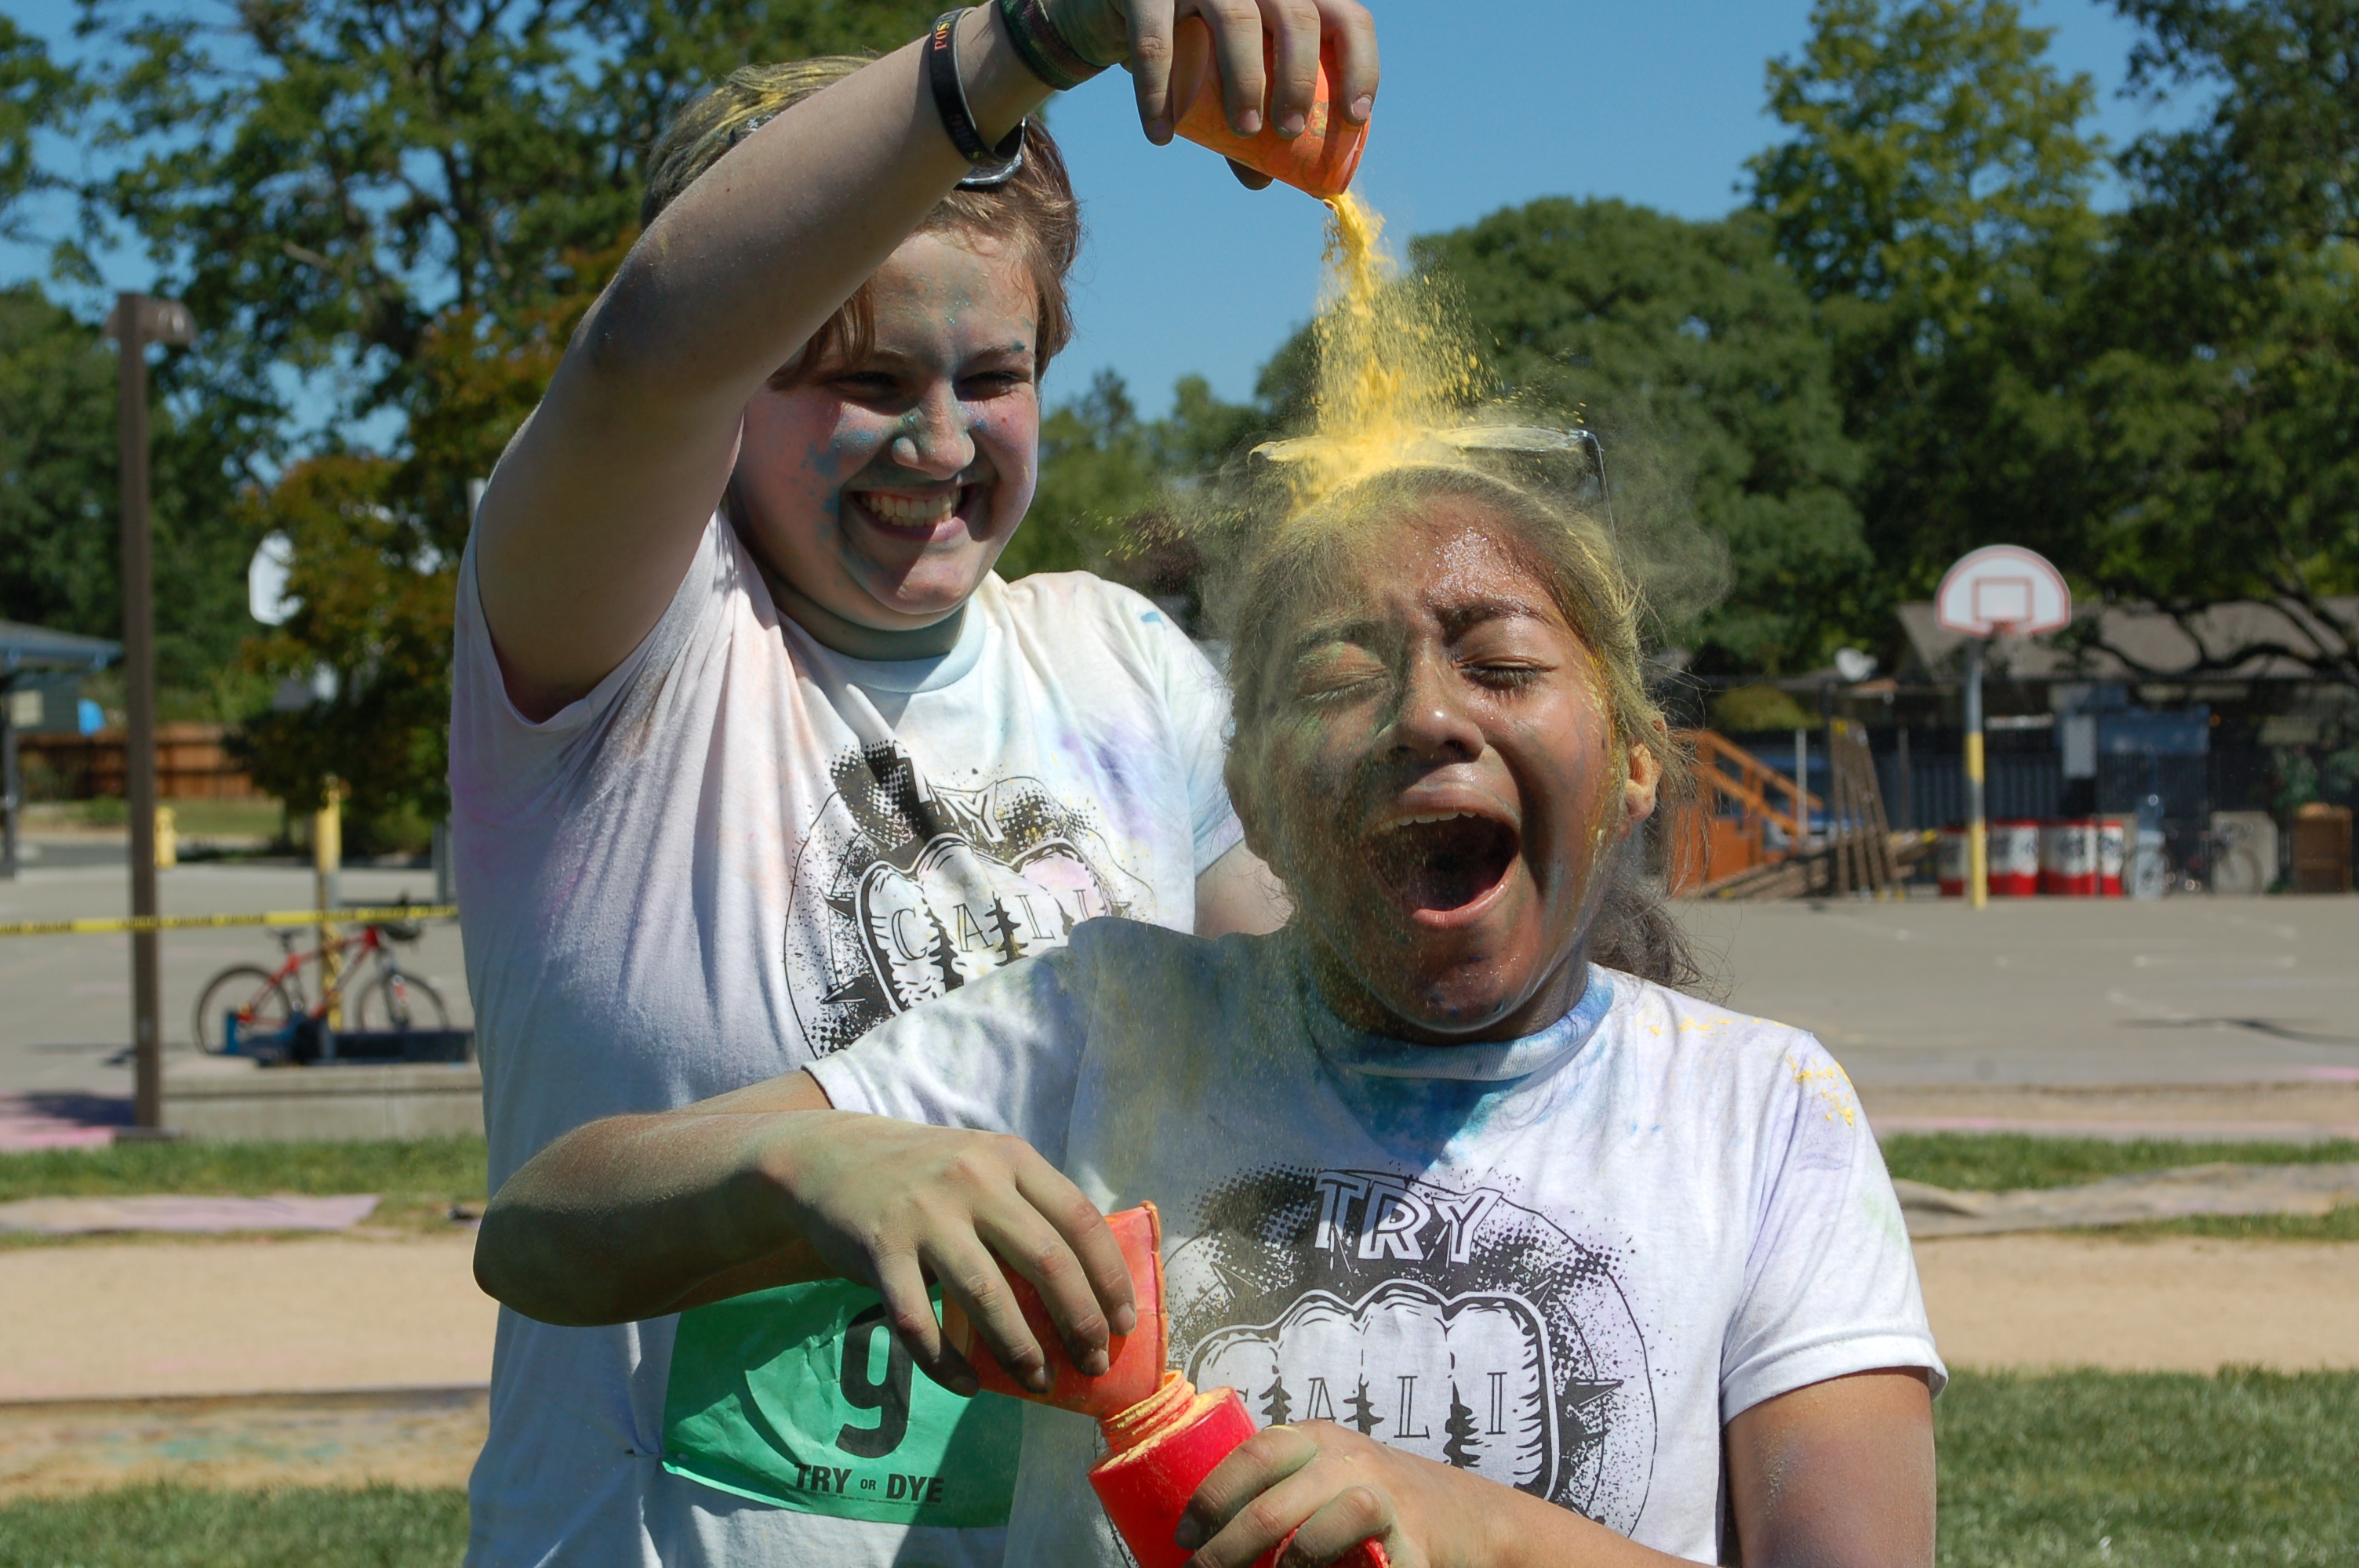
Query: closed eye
x: 1333, y: 671
x: 1504, y: 675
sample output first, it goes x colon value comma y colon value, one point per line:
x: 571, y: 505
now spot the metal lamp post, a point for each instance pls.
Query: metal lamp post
x: 137, y: 321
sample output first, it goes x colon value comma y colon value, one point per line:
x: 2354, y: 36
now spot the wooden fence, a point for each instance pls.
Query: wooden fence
x: 192, y: 763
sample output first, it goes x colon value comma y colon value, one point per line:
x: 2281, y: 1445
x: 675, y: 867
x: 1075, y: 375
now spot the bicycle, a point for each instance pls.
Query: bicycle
x: 246, y: 1001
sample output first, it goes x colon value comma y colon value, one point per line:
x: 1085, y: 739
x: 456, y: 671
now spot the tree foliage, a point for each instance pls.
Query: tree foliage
x: 2225, y: 411
x: 61, y: 553
x: 321, y: 182
x: 404, y: 207
x: 1694, y: 353
x: 36, y: 93
x: 374, y: 592
x: 1933, y: 195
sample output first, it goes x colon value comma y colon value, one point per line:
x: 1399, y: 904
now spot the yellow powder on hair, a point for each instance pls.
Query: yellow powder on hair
x: 1392, y: 367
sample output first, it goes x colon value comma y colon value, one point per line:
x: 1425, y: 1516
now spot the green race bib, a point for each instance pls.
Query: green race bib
x: 803, y: 1398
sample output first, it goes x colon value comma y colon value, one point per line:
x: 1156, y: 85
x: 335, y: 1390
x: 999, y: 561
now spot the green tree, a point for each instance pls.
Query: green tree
x: 401, y: 207
x: 374, y: 591
x: 319, y: 183
x: 59, y: 552
x: 1933, y: 196
x: 1693, y: 351
x: 1107, y: 477
x: 35, y: 93
x: 2223, y: 416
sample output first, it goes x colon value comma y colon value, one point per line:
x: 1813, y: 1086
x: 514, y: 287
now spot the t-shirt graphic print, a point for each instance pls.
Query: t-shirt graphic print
x: 737, y: 853
x: 1560, y: 1262
x: 905, y: 891
x: 1445, y: 1320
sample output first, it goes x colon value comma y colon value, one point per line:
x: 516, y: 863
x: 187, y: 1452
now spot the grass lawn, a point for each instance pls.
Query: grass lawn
x: 449, y: 1169
x: 194, y: 818
x: 418, y: 1179
x: 1995, y: 1162
x: 174, y: 1527
x: 2146, y: 1471
x: 2154, y: 1470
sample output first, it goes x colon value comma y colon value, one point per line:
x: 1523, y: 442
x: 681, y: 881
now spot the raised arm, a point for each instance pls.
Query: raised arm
x: 594, y: 511
x: 639, y: 1216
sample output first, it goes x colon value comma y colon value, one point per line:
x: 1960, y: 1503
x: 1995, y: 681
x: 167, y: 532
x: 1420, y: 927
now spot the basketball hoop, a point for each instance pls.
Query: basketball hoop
x: 1999, y: 591
x: 2003, y: 591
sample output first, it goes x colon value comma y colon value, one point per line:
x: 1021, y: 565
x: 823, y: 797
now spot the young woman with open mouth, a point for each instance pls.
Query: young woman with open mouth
x: 752, y: 750
x: 1525, y: 1257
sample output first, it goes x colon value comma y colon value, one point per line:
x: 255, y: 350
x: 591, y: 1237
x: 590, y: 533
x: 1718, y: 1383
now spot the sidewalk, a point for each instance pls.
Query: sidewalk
x: 139, y: 1320
x: 335, y: 1361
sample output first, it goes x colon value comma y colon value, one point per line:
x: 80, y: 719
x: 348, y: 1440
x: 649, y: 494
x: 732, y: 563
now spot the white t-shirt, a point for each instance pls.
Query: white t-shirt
x: 738, y: 854
x: 1563, y: 1262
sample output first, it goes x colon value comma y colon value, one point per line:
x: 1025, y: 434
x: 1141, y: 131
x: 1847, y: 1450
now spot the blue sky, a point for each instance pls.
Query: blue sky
x: 1485, y: 103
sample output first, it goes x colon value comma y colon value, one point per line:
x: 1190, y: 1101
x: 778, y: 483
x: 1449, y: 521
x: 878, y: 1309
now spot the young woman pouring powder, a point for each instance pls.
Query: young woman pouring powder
x: 1524, y: 1256
x: 751, y: 752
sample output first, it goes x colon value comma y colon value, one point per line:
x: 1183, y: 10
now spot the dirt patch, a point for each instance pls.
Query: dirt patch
x: 2162, y: 1303
x: 2289, y: 1112
x: 404, y: 1438
x: 251, y: 1316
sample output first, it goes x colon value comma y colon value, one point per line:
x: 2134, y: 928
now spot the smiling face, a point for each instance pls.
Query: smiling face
x: 881, y: 491
x: 1437, y: 777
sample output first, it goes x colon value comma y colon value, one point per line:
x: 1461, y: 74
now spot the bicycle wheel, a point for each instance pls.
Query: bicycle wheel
x: 396, y: 1000
x: 252, y: 993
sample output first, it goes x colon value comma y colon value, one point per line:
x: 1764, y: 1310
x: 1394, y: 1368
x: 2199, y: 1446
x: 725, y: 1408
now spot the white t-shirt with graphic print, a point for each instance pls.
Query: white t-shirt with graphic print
x: 739, y: 853
x: 1562, y: 1262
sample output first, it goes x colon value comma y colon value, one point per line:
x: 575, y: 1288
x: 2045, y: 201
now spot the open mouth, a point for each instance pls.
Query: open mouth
x: 1444, y: 862
x: 914, y: 513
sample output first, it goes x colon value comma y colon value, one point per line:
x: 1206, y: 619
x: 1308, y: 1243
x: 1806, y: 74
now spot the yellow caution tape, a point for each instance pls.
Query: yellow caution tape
x: 189, y: 922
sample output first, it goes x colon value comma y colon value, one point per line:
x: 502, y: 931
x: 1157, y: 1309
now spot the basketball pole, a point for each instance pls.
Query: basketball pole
x: 1977, y: 828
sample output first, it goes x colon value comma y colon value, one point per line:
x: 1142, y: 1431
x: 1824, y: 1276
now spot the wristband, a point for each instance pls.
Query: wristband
x: 1045, y: 51
x: 993, y: 165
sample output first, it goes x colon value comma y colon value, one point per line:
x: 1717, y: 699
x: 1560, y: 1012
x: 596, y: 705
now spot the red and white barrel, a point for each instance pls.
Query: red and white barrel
x: 2067, y: 857
x: 2013, y: 859
x: 1951, y: 865
x: 2112, y: 853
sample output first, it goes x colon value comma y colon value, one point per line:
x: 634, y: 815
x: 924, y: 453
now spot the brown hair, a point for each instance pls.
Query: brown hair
x: 1569, y: 551
x: 1035, y: 208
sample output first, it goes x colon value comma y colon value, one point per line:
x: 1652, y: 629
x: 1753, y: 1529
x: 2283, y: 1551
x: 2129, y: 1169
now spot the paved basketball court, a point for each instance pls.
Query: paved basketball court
x: 65, y: 1001
x: 2051, y: 991
x: 2058, y: 992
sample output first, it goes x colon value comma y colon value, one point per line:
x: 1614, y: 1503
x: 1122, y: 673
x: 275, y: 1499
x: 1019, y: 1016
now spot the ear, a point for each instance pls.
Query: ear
x: 1640, y: 791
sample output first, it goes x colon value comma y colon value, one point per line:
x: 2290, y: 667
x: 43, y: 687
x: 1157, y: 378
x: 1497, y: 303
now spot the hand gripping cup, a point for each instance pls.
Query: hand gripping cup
x: 1135, y: 1359
x: 1162, y: 1436
x: 1322, y: 160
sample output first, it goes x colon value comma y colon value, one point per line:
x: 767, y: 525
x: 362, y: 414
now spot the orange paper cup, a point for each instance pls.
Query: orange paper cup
x: 1137, y: 1358
x: 1322, y: 160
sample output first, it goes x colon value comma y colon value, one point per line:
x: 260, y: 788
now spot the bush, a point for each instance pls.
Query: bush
x: 1749, y: 708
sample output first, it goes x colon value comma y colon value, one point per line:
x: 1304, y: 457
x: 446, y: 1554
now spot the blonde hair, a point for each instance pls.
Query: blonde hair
x: 1036, y: 209
x: 1291, y: 553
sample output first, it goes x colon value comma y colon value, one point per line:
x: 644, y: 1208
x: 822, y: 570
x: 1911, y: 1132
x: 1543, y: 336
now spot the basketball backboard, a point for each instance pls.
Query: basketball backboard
x: 2003, y: 589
